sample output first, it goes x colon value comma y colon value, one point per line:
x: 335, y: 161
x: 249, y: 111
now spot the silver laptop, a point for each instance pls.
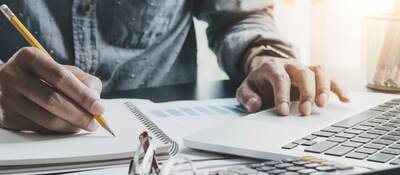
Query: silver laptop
x: 363, y: 133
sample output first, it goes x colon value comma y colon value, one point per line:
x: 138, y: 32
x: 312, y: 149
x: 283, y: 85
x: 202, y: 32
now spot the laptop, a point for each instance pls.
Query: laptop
x: 364, y: 134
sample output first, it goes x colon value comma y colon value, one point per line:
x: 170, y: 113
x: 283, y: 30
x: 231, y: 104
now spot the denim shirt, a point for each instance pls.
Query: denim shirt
x: 131, y: 44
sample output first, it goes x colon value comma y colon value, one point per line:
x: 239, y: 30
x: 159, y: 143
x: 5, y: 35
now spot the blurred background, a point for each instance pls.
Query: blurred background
x: 327, y: 32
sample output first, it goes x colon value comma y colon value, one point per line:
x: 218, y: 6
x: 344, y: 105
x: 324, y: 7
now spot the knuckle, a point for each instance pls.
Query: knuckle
x: 307, y: 97
x: 60, y: 76
x: 27, y: 52
x: 306, y: 72
x: 280, y: 77
x: 53, y: 99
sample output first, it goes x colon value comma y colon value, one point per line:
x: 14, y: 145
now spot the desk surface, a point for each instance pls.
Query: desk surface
x: 191, y: 91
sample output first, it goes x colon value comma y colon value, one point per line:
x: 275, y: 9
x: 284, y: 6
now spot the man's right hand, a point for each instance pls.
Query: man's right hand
x: 38, y: 94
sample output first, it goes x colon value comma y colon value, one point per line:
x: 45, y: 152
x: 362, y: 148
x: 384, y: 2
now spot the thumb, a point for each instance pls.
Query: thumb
x: 248, y: 98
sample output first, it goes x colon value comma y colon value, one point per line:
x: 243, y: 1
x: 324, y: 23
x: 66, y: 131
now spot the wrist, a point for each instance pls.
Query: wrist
x: 255, y: 54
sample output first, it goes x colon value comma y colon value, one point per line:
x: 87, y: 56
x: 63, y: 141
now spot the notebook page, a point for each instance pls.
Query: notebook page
x: 18, y: 148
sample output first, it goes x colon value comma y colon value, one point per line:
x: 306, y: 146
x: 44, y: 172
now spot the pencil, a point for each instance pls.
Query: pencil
x: 34, y: 43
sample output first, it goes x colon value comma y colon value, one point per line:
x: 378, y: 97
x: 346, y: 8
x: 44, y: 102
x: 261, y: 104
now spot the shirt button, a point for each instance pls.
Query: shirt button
x: 87, y: 8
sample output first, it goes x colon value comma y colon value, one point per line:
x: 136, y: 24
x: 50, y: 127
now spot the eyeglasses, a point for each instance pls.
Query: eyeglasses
x: 144, y: 161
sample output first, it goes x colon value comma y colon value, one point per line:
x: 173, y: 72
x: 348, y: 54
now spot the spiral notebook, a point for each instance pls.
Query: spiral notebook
x: 30, y: 152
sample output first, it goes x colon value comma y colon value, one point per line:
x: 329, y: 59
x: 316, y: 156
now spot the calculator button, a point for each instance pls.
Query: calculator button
x: 307, y: 171
x: 326, y: 168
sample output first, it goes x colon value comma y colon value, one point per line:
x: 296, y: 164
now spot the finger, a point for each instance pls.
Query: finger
x: 56, y: 103
x: 41, y: 117
x: 335, y: 88
x: 60, y: 78
x: 305, y: 80
x: 280, y: 81
x: 90, y: 81
x: 248, y: 98
x: 322, y: 84
x: 15, y: 122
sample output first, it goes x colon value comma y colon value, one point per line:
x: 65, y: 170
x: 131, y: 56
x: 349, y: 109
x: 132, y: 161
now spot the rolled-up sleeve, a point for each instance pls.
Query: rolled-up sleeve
x: 237, y: 25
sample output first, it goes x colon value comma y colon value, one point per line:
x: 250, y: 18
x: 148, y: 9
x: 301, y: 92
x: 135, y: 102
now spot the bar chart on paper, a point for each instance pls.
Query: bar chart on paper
x: 199, y: 110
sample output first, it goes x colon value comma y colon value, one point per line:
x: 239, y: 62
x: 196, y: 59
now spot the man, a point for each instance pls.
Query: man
x: 127, y: 44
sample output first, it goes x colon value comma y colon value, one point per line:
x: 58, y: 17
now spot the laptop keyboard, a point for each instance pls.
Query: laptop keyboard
x: 372, y: 135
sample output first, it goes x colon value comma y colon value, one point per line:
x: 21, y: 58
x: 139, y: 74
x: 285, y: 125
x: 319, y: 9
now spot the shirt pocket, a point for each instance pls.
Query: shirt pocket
x: 140, y: 23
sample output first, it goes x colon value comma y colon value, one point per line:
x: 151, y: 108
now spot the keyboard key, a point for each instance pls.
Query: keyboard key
x: 381, y: 157
x: 349, y: 122
x: 360, y: 127
x: 323, y: 134
x: 380, y: 121
x: 377, y: 132
x: 337, y: 139
x: 366, y: 150
x: 374, y: 146
x: 290, y: 146
x: 395, y: 162
x: 384, y: 128
x: 333, y: 129
x: 310, y: 137
x: 369, y: 136
x: 321, y: 147
x: 353, y: 131
x: 383, y: 142
x: 394, y: 133
x: 357, y: 155
x: 345, y: 135
x: 352, y: 144
x: 360, y: 140
x: 391, y: 151
x: 395, y: 146
x: 369, y: 124
x: 339, y: 151
x: 393, y: 125
x: 390, y: 137
x: 309, y: 143
x: 394, y: 121
x: 299, y: 141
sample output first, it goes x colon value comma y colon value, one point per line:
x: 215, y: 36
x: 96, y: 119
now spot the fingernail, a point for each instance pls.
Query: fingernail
x: 93, y: 126
x: 283, y: 108
x: 97, y: 108
x: 306, y: 108
x: 322, y: 99
x: 345, y: 98
x: 250, y: 104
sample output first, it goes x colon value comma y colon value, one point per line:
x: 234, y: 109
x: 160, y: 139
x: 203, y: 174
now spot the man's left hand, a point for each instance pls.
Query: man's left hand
x: 282, y: 79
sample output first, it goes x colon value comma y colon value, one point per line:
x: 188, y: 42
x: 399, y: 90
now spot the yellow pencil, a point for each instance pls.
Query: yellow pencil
x: 34, y: 43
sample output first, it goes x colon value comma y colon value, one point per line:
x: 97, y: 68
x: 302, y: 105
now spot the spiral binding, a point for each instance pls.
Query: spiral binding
x: 153, y: 128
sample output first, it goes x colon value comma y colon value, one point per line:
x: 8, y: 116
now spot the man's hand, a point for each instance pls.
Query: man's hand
x: 40, y: 95
x: 283, y: 79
